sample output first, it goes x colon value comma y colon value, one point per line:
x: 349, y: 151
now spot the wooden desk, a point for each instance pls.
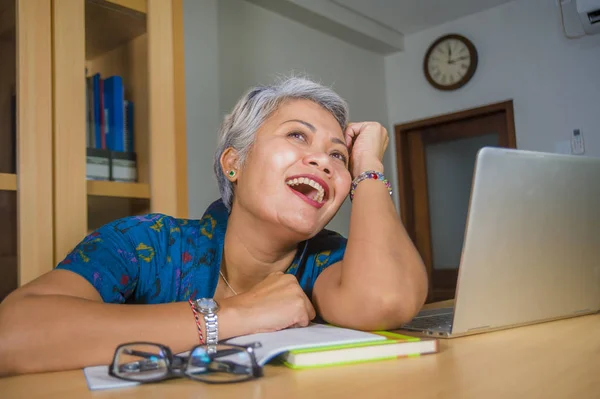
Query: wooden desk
x: 559, y: 359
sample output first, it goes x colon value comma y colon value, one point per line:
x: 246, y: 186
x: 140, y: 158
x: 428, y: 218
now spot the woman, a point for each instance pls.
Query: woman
x: 284, y: 164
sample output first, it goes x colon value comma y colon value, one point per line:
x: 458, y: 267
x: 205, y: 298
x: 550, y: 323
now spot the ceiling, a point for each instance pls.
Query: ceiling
x: 410, y: 16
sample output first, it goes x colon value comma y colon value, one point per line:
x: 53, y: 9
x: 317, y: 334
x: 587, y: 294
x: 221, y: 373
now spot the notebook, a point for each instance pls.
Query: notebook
x: 273, y: 344
x: 393, y: 347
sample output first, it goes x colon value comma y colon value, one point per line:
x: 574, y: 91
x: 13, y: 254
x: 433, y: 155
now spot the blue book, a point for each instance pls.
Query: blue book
x: 96, y: 110
x: 114, y: 106
x: 128, y: 127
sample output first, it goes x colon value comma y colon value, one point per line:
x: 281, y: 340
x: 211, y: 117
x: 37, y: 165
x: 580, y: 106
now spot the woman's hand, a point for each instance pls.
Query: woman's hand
x: 275, y: 303
x: 367, y: 142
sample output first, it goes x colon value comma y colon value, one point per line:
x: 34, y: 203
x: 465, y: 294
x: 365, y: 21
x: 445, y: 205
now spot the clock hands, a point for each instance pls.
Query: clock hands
x: 465, y: 57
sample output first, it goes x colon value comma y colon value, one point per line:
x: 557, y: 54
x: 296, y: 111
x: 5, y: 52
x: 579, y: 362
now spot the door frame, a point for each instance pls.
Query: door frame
x: 407, y: 148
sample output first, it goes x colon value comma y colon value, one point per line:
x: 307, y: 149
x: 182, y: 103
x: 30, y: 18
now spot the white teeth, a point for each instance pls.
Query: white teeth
x: 318, y: 196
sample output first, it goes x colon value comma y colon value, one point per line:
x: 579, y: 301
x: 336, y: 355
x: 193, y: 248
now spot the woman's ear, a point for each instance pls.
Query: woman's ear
x: 230, y: 164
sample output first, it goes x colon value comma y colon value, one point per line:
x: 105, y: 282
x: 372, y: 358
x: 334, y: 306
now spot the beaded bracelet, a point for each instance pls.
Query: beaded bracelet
x: 197, y: 321
x: 369, y: 174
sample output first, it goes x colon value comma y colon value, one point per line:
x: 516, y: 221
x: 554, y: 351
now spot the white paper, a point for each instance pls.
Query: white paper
x: 315, y: 335
x: 273, y: 344
x: 97, y: 378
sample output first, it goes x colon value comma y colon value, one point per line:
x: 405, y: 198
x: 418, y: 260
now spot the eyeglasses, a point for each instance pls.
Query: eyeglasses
x: 150, y: 362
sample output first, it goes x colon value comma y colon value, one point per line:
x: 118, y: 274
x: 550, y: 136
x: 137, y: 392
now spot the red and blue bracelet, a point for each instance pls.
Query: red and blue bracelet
x: 197, y: 318
x: 369, y: 174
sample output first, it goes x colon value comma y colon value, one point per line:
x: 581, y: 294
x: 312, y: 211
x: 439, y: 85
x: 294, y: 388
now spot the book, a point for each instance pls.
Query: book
x: 393, y: 347
x: 96, y: 110
x: 98, y: 164
x: 114, y: 109
x: 90, y: 139
x: 123, y: 166
x: 128, y: 130
x: 272, y: 345
x: 313, y: 336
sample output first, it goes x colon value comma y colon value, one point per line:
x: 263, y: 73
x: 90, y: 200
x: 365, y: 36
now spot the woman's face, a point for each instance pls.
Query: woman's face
x: 296, y: 175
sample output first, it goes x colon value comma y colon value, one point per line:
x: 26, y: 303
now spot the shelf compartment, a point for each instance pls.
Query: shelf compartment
x: 104, y: 209
x: 110, y: 25
x: 8, y: 243
x: 7, y: 20
x: 118, y: 189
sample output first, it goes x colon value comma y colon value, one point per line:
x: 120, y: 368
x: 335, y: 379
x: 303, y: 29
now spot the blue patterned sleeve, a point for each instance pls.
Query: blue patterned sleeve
x: 325, y: 249
x: 109, y: 257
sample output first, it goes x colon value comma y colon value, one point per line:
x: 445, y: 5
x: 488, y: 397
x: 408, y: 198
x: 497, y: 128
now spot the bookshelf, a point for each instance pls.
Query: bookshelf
x: 48, y: 49
x: 26, y: 233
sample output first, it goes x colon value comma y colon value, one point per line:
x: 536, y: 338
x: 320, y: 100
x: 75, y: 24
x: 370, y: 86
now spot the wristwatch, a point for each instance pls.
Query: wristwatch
x: 209, y: 308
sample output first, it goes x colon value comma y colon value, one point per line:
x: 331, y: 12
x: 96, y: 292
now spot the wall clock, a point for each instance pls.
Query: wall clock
x: 450, y: 62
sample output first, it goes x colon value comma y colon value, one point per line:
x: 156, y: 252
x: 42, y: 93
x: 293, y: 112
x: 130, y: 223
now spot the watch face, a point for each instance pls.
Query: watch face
x: 450, y: 62
x: 208, y: 304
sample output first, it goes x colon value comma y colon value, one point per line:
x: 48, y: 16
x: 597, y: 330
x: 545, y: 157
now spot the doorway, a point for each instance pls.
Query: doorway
x: 435, y: 161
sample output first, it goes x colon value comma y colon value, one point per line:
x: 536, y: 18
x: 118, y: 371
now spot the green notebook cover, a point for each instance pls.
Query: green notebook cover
x: 393, y: 338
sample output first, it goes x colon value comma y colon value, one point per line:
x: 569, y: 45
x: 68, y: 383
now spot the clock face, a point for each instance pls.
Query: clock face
x: 450, y: 62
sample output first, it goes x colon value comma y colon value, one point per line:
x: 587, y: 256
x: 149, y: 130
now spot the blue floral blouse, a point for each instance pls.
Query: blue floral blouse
x: 158, y: 259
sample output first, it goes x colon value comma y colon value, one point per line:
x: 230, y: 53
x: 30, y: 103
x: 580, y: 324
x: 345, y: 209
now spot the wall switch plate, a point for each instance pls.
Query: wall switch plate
x: 577, y: 146
x: 563, y: 147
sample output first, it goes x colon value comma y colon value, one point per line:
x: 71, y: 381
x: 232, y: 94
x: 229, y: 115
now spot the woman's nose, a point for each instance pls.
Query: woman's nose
x: 320, y: 161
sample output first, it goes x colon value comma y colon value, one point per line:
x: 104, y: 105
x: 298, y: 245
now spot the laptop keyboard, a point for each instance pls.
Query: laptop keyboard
x: 437, y: 319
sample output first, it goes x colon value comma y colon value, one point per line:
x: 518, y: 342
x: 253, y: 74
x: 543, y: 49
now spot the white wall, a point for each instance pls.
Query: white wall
x: 555, y: 82
x: 202, y: 100
x: 251, y: 46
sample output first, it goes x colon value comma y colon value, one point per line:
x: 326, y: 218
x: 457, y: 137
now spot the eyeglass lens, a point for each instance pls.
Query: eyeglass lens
x: 228, y: 364
x: 141, y: 362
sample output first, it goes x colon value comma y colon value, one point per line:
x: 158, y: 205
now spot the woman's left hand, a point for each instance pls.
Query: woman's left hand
x: 367, y: 142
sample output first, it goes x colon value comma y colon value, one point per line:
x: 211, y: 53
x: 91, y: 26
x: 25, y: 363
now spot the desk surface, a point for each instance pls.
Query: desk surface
x: 559, y: 359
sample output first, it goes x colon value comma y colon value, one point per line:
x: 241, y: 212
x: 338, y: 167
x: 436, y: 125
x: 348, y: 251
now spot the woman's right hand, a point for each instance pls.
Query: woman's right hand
x: 276, y: 303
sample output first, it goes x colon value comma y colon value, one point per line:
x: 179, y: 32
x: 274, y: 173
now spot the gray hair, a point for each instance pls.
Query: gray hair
x: 256, y: 105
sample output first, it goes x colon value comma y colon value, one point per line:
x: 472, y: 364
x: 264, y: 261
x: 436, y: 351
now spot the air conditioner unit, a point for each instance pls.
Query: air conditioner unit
x: 589, y: 13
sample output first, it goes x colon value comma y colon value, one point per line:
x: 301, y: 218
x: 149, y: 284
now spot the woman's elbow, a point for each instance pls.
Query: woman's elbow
x: 397, y: 308
x: 13, y: 336
x: 7, y: 333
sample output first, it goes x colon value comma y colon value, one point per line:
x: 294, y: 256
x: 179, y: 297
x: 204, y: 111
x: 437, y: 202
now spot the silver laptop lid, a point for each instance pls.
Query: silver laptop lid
x: 532, y: 241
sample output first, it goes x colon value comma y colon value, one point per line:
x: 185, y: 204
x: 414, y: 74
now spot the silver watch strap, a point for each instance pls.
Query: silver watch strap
x: 212, y: 331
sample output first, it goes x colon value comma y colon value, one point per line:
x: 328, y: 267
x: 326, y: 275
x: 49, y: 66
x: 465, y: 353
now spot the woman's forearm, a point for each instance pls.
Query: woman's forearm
x: 381, y: 261
x: 56, y: 332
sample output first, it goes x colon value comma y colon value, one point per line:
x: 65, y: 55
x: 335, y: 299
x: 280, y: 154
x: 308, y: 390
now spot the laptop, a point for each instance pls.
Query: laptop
x: 531, y: 250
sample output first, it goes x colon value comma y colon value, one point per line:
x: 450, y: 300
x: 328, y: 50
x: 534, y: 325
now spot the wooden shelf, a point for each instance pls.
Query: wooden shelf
x: 137, y: 5
x: 118, y: 189
x: 8, y: 182
x: 111, y: 24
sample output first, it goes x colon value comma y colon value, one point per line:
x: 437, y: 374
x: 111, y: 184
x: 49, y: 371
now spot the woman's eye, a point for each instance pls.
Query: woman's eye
x: 339, y: 156
x: 297, y: 135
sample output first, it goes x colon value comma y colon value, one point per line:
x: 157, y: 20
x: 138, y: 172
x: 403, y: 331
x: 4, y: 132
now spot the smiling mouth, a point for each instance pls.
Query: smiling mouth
x: 308, y: 188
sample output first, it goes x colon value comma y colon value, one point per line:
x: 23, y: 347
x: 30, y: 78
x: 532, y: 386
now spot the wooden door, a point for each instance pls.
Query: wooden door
x: 435, y: 167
